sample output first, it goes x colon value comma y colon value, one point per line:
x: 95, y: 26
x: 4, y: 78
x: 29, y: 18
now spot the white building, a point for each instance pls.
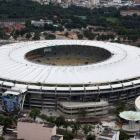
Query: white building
x: 109, y: 134
x: 59, y: 1
x: 41, y: 22
x: 1, y: 131
x: 94, y: 2
x: 116, y: 1
x: 137, y: 136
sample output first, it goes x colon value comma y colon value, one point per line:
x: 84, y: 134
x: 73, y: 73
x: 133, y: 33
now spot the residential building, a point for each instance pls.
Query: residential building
x: 130, y: 12
x: 116, y: 1
x: 109, y: 134
x: 137, y: 1
x: 33, y: 130
x: 94, y: 2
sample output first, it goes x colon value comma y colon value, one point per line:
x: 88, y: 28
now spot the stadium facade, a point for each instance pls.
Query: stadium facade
x: 92, y: 82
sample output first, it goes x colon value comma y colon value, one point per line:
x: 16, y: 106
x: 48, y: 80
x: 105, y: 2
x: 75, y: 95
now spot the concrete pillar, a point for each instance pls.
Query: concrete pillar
x: 29, y: 99
x: 137, y: 90
x: 97, y: 97
x: 131, y: 124
x: 129, y: 91
x: 56, y: 101
x: 42, y: 100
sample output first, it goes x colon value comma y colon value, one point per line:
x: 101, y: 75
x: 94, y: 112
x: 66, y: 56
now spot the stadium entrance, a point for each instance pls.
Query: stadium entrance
x: 13, y: 100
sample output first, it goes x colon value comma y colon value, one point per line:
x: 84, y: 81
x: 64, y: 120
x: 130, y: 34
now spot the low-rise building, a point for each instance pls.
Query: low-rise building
x: 109, y: 134
x: 137, y: 136
x: 137, y: 1
x: 32, y: 130
x: 41, y: 22
x: 92, y: 108
x: 116, y: 1
x: 130, y: 12
x: 1, y: 131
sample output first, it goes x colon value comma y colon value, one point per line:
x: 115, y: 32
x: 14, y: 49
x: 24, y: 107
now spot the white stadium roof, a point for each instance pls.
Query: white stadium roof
x: 122, y: 65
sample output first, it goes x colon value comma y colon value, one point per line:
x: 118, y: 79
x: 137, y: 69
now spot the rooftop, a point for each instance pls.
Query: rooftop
x: 130, y: 11
x: 45, y: 124
x: 108, y: 133
x: 122, y: 67
x: 137, y: 135
x: 56, y: 137
x: 80, y: 104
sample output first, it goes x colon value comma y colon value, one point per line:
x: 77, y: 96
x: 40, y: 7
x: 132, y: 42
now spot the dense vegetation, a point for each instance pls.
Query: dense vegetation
x: 127, y: 27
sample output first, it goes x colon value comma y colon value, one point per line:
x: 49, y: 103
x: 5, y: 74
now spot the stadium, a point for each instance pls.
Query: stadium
x: 68, y: 75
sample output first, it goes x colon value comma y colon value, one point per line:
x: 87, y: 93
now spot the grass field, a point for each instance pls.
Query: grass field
x: 113, y: 20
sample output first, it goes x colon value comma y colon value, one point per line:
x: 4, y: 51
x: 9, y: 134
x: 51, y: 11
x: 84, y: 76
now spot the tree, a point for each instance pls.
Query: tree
x: 76, y: 126
x: 80, y: 36
x: 91, y: 137
x: 34, y: 113
x: 6, y: 122
x: 120, y: 105
x: 51, y: 119
x: 2, y: 138
x: 15, y: 36
x: 66, y: 124
x: 68, y: 136
x: 60, y: 121
x: 66, y: 34
x: 36, y: 36
x: 82, y: 112
x: 28, y: 36
x: 87, y: 128
x: 43, y: 117
x: 1, y: 33
x: 123, y: 135
x: 50, y: 36
x: 27, y: 23
x: 22, y: 32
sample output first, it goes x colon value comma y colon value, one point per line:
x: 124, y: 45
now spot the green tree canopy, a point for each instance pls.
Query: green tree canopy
x: 68, y: 136
x: 120, y: 105
x: 28, y: 35
x: 76, y: 126
x: 36, y: 36
x: 67, y: 124
x: 82, y: 112
x: 43, y: 117
x: 123, y: 135
x: 34, y: 113
x: 87, y: 128
x: 91, y: 137
x: 51, y: 119
x: 6, y: 122
x: 60, y: 121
